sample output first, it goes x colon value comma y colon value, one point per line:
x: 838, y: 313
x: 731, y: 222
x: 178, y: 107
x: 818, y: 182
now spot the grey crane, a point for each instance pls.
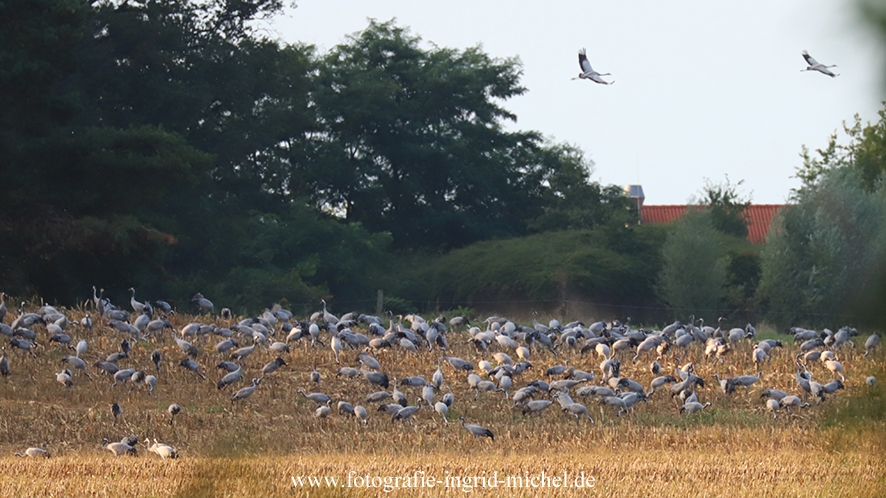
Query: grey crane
x: 230, y: 378
x: 4, y: 366
x: 659, y: 382
x: 477, y: 430
x: 186, y: 347
x: 345, y: 409
x: 389, y: 408
x: 759, y: 355
x: 557, y: 369
x: 835, y: 367
x: 24, y: 345
x: 577, y: 410
x: 192, y: 366
x: 319, y: 398
x: 872, y: 342
x: 315, y: 375
x: 773, y: 405
x: 346, y: 372
x: 377, y: 397
x: 616, y: 402
x: 64, y: 377
x: 272, y: 366
x: 140, y: 307
x: 156, y: 358
x: 524, y: 394
x: 564, y: 384
x: 165, y: 307
x: 368, y: 361
x: 745, y: 380
x: 535, y: 407
x: 131, y: 440
x: 116, y: 410
x: 776, y: 394
x: 242, y: 353
x: 59, y: 337
x: 405, y: 413
x: 106, y: 367
x: 245, y: 392
x: 398, y: 396
x: 118, y: 448
x: 788, y: 401
x: 227, y: 366
x: 203, y: 303
x: 226, y: 345
x: 173, y: 410
x: 414, y: 381
x: 458, y: 363
x: 323, y: 410
x: 814, y: 65
x: 443, y: 409
x: 691, y: 407
x: 151, y: 382
x: 81, y: 348
x: 375, y: 378
x: 163, y: 450
x: 832, y: 386
x: 76, y: 363
x: 336, y: 346
x: 34, y: 452
x: 427, y: 395
x: 362, y: 414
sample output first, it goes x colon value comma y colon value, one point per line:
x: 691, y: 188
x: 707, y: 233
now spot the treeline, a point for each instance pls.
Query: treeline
x: 167, y: 145
x: 170, y: 146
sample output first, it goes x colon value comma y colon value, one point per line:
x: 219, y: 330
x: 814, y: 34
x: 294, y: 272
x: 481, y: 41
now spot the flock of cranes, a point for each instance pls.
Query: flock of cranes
x: 601, y: 367
x: 588, y: 73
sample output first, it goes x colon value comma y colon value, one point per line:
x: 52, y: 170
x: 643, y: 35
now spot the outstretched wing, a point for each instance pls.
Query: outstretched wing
x: 809, y: 59
x: 583, y: 62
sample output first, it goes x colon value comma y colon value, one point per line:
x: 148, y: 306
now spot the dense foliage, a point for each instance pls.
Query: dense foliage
x: 168, y: 145
x: 825, y: 259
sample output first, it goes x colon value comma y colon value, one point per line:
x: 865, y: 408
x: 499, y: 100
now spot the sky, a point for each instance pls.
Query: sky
x: 703, y: 90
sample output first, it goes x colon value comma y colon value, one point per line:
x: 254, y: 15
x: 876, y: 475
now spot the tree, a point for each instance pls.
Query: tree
x: 726, y: 207
x: 693, y: 275
x: 413, y: 144
x: 824, y: 254
x: 570, y: 201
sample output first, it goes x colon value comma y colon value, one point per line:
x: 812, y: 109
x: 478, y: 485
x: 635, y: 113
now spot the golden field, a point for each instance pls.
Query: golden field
x: 256, y: 447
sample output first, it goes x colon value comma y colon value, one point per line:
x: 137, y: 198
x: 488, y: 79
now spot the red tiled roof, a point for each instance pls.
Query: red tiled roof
x: 759, y: 217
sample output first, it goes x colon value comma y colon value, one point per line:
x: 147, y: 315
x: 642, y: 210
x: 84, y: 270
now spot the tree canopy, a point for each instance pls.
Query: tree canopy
x: 167, y: 144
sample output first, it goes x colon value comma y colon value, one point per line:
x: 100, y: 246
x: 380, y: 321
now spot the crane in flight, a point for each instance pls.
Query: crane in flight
x: 587, y: 72
x: 814, y: 65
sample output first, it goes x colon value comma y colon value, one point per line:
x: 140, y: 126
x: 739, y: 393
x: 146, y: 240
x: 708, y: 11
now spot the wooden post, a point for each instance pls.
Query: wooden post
x: 380, y: 303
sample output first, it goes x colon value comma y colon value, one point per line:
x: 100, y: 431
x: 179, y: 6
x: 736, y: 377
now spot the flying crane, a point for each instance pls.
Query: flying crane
x: 587, y: 72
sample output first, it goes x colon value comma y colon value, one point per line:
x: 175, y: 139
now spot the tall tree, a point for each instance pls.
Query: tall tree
x: 826, y: 252
x: 693, y: 275
x: 414, y: 143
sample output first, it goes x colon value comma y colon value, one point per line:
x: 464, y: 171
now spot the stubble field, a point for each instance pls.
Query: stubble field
x: 263, y: 445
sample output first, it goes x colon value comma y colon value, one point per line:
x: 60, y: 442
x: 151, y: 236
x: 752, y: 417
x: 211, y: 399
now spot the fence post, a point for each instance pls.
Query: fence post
x: 380, y: 302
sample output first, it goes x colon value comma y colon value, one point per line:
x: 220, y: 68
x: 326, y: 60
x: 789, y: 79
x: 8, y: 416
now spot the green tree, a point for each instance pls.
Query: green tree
x: 413, y: 142
x: 570, y: 200
x: 693, y: 274
x: 822, y: 259
x: 823, y: 251
x: 727, y: 207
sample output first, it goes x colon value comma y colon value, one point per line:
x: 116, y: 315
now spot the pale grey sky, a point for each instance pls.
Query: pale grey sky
x: 702, y: 89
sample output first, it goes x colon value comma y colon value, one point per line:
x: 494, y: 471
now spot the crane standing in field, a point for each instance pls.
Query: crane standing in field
x: 587, y: 72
